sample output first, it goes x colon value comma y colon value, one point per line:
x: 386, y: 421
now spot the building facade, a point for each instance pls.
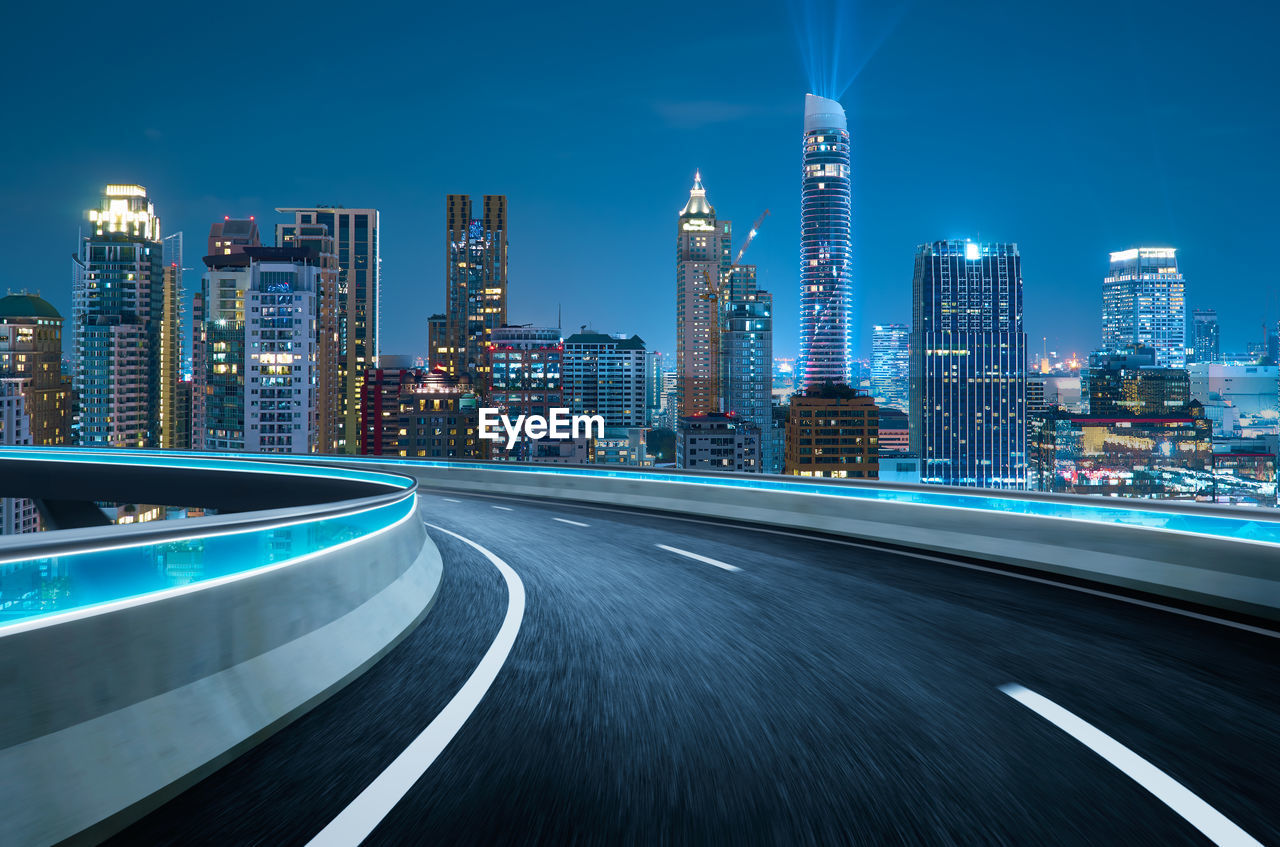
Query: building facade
x: 1143, y: 303
x: 475, y: 284
x: 17, y: 514
x: 747, y: 378
x: 117, y: 308
x: 1206, y: 339
x: 31, y: 354
x: 891, y: 366
x: 418, y: 413
x: 1129, y: 383
x: 702, y: 271
x: 349, y: 308
x: 256, y: 378
x: 605, y: 375
x: 969, y: 365
x: 832, y: 431
x: 718, y: 442
x: 526, y: 377
x: 826, y: 246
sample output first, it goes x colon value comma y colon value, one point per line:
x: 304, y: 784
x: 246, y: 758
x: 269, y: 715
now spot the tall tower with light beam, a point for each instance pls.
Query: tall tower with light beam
x: 826, y: 246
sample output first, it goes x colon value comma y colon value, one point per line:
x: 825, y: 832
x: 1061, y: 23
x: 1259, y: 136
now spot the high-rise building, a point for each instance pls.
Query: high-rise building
x: 438, y: 350
x: 653, y: 386
x: 355, y: 304
x: 117, y: 312
x: 1143, y: 304
x: 170, y: 359
x: 31, y: 354
x: 17, y: 514
x: 182, y: 415
x: 257, y: 377
x: 526, y: 378
x: 747, y: 377
x: 891, y: 366
x: 331, y: 322
x: 833, y: 431
x: 605, y: 375
x: 1206, y: 346
x: 475, y: 284
x: 702, y: 271
x: 969, y: 365
x: 1129, y: 384
x: 826, y: 246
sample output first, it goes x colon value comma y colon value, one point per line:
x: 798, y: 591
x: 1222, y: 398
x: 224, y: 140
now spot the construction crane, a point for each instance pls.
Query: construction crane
x: 714, y: 294
x: 755, y: 228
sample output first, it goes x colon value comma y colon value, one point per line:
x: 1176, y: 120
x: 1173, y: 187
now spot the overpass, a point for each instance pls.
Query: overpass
x: 400, y: 652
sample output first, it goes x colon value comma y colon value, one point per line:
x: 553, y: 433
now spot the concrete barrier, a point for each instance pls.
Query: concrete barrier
x: 1237, y: 575
x: 108, y: 712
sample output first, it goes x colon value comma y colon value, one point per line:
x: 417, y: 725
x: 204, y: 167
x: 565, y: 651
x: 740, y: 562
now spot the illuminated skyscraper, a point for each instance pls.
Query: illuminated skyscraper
x: 826, y: 246
x: 117, y: 311
x: 702, y: 270
x: 475, y: 285
x: 969, y: 365
x: 747, y: 377
x: 1143, y: 304
x: 891, y: 366
x: 354, y: 307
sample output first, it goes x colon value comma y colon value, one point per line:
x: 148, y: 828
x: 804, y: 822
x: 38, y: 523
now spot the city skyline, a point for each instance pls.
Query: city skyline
x: 1083, y: 182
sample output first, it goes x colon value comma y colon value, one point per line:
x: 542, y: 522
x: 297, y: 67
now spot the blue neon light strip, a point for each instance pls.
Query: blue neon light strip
x: 110, y: 574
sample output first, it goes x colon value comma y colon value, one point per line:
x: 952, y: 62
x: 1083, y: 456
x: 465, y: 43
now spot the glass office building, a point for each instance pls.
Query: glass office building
x: 891, y: 365
x: 969, y: 365
x: 1143, y: 303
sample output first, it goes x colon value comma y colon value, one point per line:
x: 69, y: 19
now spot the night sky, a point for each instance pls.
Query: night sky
x: 1072, y: 129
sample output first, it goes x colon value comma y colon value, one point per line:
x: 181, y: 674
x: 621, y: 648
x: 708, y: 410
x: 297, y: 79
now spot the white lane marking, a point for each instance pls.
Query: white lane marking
x: 354, y: 823
x: 450, y: 500
x: 1135, y: 601
x: 504, y: 508
x: 1172, y: 793
x: 697, y: 558
x: 571, y: 523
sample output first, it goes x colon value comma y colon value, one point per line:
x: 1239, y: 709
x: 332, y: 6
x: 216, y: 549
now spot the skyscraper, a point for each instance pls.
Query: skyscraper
x: 257, y: 376
x: 475, y: 284
x: 969, y: 365
x: 331, y: 322
x: 357, y: 302
x: 826, y: 246
x: 117, y: 310
x: 747, y: 378
x: 1142, y: 304
x: 702, y: 271
x: 891, y: 366
x: 1206, y: 345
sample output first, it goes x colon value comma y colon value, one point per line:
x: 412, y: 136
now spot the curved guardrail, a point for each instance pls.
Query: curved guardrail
x: 143, y: 657
x: 1218, y: 556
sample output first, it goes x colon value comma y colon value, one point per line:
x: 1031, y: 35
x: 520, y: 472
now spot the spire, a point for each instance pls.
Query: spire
x: 698, y: 205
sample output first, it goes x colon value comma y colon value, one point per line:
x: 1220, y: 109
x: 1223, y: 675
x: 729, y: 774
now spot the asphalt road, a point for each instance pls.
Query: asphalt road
x: 822, y: 693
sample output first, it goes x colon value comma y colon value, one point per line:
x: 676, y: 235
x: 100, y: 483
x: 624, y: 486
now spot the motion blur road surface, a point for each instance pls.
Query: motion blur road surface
x: 822, y: 693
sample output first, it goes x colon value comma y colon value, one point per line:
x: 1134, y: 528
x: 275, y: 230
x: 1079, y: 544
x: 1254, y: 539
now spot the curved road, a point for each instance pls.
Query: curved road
x: 819, y: 692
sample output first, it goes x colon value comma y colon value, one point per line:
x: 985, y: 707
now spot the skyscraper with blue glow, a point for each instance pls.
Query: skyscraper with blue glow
x: 826, y: 246
x: 968, y: 354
